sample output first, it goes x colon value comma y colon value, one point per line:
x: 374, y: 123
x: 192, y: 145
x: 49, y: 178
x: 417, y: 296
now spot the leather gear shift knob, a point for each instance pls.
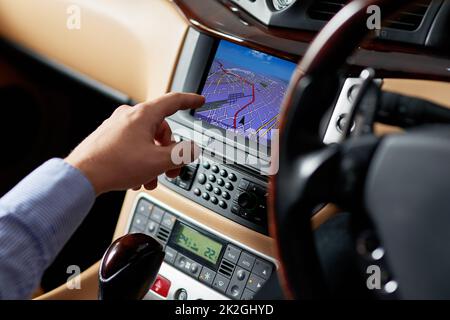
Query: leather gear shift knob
x: 129, y: 267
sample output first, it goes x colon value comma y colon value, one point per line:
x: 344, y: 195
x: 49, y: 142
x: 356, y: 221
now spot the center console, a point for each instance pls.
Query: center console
x: 237, y: 128
x: 237, y: 131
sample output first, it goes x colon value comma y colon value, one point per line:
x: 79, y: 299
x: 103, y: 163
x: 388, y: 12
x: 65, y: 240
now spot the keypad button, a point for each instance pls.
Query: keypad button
x: 246, y: 261
x: 215, y: 169
x: 223, y: 204
x: 201, y: 178
x: 170, y: 255
x: 206, y: 165
x: 247, y: 295
x: 223, y: 173
x: 214, y: 200
x: 226, y: 195
x: 208, y: 187
x: 234, y: 209
x: 184, y: 184
x: 241, y: 274
x: 139, y: 222
x: 262, y: 269
x: 207, y: 276
x: 197, y: 192
x: 228, y: 186
x: 220, y: 182
x: 217, y: 191
x: 232, y: 253
x: 237, y: 283
x: 161, y: 286
x: 234, y: 291
x: 144, y: 207
x: 212, y: 178
x: 220, y: 283
x: 152, y: 227
x: 180, y: 261
x: 243, y: 184
x: 168, y: 220
x: 187, y: 265
x: 157, y: 214
x: 254, y: 282
x: 195, y: 269
x: 205, y: 195
x: 232, y: 177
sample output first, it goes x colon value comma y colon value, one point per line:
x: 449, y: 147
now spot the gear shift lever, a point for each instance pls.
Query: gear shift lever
x: 129, y: 267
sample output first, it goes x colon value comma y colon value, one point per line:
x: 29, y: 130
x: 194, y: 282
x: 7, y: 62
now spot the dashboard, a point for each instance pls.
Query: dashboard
x: 240, y: 54
x: 419, y: 24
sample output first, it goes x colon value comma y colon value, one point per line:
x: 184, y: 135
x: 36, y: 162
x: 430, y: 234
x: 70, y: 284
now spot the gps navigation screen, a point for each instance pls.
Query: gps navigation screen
x: 244, y: 89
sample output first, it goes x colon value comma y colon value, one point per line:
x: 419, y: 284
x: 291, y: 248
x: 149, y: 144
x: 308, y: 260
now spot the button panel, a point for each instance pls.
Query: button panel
x: 239, y: 274
x: 229, y: 191
x: 246, y: 261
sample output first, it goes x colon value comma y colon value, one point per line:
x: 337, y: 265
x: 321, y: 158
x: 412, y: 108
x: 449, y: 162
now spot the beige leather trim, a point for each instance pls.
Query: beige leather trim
x: 88, y: 290
x: 131, y: 46
x: 436, y: 91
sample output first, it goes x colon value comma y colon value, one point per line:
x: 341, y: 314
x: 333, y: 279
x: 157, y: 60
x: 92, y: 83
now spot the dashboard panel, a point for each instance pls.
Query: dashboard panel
x: 411, y: 25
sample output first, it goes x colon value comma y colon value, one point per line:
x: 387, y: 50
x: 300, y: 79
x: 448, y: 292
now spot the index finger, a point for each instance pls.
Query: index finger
x: 170, y: 103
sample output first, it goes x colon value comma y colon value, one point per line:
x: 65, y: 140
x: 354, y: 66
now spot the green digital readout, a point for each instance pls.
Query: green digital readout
x: 197, y: 243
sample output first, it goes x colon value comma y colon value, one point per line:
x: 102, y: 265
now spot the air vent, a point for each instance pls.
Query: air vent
x: 325, y: 10
x: 408, y: 19
x: 163, y: 234
x: 411, y: 18
x: 226, y: 268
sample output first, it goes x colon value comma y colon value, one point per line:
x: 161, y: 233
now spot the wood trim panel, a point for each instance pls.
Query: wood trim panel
x: 391, y: 59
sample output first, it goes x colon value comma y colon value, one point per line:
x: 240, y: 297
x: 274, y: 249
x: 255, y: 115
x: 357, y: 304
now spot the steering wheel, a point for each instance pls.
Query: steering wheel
x: 397, y: 185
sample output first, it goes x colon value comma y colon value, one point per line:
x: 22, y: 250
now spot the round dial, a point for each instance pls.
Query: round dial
x: 282, y: 4
x: 247, y: 200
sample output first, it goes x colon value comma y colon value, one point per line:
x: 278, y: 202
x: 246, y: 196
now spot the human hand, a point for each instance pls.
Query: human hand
x: 134, y: 145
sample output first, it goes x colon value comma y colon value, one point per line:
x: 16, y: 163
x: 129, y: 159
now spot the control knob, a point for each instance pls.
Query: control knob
x: 247, y: 200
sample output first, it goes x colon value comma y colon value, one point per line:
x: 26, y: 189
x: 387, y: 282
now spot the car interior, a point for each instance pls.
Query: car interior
x: 323, y: 137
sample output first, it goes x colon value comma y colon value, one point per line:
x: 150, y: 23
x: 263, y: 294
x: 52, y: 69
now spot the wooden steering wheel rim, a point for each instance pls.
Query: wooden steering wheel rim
x: 313, y: 86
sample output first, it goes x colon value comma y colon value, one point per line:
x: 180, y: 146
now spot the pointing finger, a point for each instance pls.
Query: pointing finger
x: 170, y: 103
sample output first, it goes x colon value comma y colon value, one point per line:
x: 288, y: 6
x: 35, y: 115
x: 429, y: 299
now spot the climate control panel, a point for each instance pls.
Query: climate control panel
x: 226, y: 190
x: 212, y: 261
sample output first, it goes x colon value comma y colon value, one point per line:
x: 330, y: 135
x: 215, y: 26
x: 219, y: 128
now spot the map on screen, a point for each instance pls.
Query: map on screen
x: 244, y: 89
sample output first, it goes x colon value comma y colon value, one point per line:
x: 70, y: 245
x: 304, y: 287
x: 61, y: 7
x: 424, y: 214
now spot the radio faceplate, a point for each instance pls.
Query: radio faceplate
x: 233, y: 193
x: 213, y: 261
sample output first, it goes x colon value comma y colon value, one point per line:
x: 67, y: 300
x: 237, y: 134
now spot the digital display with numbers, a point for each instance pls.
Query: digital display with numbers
x: 197, y: 243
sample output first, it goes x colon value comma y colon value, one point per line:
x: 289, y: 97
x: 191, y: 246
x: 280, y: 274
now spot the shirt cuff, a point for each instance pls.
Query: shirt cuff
x: 52, y: 202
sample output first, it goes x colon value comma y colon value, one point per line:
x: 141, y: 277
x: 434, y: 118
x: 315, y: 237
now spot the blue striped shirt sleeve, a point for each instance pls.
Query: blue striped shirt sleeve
x: 37, y: 217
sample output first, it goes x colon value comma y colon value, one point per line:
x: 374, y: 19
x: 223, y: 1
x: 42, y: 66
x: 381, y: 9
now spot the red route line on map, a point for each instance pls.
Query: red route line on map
x: 243, y: 80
